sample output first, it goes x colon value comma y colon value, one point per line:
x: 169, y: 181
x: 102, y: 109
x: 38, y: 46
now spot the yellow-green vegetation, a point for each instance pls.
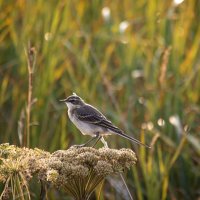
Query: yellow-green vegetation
x: 78, y: 171
x: 137, y: 61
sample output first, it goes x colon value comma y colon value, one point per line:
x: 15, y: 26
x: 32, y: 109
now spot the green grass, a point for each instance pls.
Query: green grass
x: 77, y: 51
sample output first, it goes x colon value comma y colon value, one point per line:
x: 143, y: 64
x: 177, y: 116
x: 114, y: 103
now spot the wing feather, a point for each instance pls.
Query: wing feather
x: 91, y: 115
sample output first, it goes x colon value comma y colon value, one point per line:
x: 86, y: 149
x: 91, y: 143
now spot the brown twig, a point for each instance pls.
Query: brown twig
x: 31, y: 58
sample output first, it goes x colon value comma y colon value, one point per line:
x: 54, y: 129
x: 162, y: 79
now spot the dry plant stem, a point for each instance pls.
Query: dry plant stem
x: 163, y: 69
x: 126, y: 186
x: 100, y: 190
x: 129, y: 193
x: 5, y: 187
x: 43, y: 192
x: 163, y: 74
x: 31, y: 58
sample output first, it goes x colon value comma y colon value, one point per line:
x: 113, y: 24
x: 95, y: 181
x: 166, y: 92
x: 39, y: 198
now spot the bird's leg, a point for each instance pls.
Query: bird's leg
x: 83, y: 145
x: 104, y: 142
x: 98, y: 138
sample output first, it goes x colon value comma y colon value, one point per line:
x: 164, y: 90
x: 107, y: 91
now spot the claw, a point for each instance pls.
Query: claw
x: 78, y: 145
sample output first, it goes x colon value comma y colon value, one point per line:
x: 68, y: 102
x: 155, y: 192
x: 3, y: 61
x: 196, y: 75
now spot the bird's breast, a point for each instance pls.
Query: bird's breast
x: 85, y: 127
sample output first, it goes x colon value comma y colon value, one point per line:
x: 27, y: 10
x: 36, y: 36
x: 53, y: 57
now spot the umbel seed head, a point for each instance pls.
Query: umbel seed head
x: 64, y: 169
x: 89, y: 166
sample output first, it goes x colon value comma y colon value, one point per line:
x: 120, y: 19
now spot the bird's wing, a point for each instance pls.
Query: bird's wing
x: 91, y: 115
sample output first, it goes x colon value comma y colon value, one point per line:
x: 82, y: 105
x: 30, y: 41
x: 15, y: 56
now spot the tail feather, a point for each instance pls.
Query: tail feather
x: 107, y: 124
x: 133, y: 140
x: 119, y: 132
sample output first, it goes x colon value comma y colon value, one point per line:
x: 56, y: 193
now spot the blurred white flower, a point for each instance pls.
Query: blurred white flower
x: 175, y: 121
x: 177, y: 2
x: 137, y: 73
x: 141, y: 100
x: 48, y: 36
x: 147, y: 125
x: 161, y: 122
x: 144, y: 125
x: 106, y: 13
x: 150, y: 126
x: 186, y: 128
x: 123, y: 26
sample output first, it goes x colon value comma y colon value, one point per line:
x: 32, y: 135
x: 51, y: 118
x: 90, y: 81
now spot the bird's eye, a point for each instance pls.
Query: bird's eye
x: 72, y: 100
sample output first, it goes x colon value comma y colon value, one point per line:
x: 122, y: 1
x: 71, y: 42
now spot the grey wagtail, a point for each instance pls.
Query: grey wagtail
x: 92, y: 122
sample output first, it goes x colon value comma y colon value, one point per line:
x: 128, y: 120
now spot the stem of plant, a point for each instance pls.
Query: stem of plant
x: 129, y: 193
x: 31, y: 58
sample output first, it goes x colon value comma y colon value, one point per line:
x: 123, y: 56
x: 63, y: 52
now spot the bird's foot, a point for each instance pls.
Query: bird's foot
x: 78, y: 145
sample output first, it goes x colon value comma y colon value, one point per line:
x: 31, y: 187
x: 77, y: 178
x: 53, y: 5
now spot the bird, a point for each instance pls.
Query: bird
x: 91, y: 121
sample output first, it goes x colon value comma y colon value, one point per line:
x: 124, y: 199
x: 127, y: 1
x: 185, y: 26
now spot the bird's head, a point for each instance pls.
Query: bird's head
x: 73, y: 101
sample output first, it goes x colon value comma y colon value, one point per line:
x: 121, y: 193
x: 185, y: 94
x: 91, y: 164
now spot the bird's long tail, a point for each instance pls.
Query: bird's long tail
x: 107, y: 124
x: 119, y: 132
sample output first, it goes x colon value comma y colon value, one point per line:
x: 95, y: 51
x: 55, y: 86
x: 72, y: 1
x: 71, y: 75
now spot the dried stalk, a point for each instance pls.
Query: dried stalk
x: 31, y: 59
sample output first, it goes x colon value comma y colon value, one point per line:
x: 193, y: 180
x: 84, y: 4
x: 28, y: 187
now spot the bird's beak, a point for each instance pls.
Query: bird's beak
x: 63, y: 100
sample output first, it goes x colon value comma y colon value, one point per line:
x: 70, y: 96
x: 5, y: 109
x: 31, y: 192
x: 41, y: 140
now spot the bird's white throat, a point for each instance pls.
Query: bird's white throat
x: 72, y: 106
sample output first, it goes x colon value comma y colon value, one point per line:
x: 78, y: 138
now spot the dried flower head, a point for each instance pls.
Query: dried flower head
x: 77, y: 170
x: 52, y: 175
x: 17, y: 166
x: 80, y: 170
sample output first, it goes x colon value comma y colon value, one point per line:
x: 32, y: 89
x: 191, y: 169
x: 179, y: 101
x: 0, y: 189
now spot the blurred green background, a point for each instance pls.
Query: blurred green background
x: 137, y: 61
